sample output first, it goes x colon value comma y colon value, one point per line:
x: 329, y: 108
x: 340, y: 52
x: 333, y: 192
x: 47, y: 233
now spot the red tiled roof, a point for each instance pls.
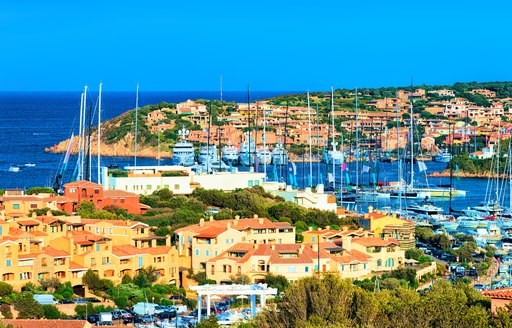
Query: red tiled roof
x: 240, y: 225
x: 76, y: 267
x: 117, y: 223
x: 28, y: 223
x: 211, y: 232
x: 118, y: 193
x: 55, y: 252
x: 82, y: 184
x: 29, y: 255
x: 126, y: 250
x: 37, y: 323
x: 373, y: 241
x: 503, y: 293
x: 6, y: 239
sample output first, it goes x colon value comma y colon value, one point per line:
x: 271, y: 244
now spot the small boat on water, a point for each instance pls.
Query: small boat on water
x: 30, y: 165
x: 443, y: 156
x: 14, y: 168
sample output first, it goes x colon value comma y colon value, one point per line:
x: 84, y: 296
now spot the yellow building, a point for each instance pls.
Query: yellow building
x: 391, y: 226
x: 353, y: 255
x: 208, y: 239
x: 65, y: 247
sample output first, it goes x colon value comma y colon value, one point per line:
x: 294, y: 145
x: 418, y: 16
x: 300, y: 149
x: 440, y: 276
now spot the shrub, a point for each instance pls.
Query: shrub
x: 6, y: 312
x: 5, y: 289
x: 51, y: 312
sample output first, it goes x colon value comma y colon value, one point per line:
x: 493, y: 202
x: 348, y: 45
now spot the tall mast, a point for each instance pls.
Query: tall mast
x: 99, y: 134
x: 136, y: 126
x: 333, y: 142
x: 80, y: 154
x: 89, y: 144
x: 412, y: 146
x: 221, y: 88
x: 357, y: 143
x: 208, y: 138
x: 399, y: 163
x: 310, y: 152
x: 83, y: 135
x: 450, y: 131
x: 317, y: 149
x: 284, y: 145
x: 249, y: 121
x: 265, y: 142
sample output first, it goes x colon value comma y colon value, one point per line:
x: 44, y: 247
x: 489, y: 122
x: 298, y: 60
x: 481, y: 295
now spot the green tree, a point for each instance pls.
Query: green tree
x: 277, y: 281
x: 146, y: 277
x: 86, y: 208
x: 51, y: 312
x: 92, y: 280
x: 5, y: 289
x: 27, y: 307
x: 50, y: 284
x: 40, y: 190
x: 210, y: 322
x: 5, y: 310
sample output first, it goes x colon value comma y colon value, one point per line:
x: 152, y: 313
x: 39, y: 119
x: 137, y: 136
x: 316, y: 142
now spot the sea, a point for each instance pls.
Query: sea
x: 33, y: 121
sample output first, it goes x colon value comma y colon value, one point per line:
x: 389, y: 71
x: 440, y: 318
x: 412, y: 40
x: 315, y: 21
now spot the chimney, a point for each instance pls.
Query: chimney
x: 228, y: 225
x: 34, y: 215
x: 273, y: 247
x: 255, y: 216
x: 49, y: 213
x: 211, y: 218
x: 301, y: 248
x: 237, y: 218
x: 344, y: 228
x: 201, y: 222
x: 319, y: 229
x: 327, y: 227
x: 346, y: 242
x: 370, y: 209
x: 255, y: 246
x: 310, y: 228
x: 260, y: 220
x: 314, y: 247
x: 366, y: 234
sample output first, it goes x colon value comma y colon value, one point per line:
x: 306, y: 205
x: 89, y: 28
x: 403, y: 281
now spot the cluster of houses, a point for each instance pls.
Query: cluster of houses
x: 35, y: 247
x: 372, y: 122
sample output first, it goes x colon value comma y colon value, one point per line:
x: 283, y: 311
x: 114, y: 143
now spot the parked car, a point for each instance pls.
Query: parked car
x: 80, y: 301
x: 92, y: 300
x: 45, y: 299
x: 176, y: 298
x: 93, y: 318
x: 66, y: 302
x: 473, y: 272
x: 121, y: 314
x: 146, y: 318
x: 222, y: 306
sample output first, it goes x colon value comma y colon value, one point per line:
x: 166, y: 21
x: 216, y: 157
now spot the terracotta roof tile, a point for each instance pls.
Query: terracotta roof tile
x: 118, y: 193
x: 503, y: 293
x: 82, y: 184
x: 373, y: 241
x: 55, y: 252
x: 28, y: 222
x: 73, y: 266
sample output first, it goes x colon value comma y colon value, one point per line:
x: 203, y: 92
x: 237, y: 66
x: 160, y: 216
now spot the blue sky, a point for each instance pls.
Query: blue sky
x: 273, y: 45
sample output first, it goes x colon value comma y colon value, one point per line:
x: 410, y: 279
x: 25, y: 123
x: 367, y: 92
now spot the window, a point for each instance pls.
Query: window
x: 97, y: 247
x: 292, y: 269
x: 176, y: 187
x: 306, y: 269
x: 140, y: 261
x: 197, y: 251
x: 96, y: 191
x: 16, y: 206
x: 256, y: 182
x: 353, y: 267
x: 8, y: 263
x: 207, y: 253
x: 148, y: 187
x: 110, y: 230
x: 93, y: 261
x: 121, y: 200
x: 33, y: 205
x: 313, y: 239
x: 105, y: 260
x: 216, y: 253
x: 249, y: 183
x: 379, y: 263
x: 72, y: 190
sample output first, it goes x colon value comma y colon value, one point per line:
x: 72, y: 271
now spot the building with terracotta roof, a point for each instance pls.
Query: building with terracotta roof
x: 352, y: 257
x: 46, y: 323
x: 500, y: 298
x: 65, y: 247
x: 208, y: 239
x: 385, y: 225
x: 83, y: 190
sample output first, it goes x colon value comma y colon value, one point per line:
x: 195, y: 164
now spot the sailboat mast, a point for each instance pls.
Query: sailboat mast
x: 208, y: 138
x: 317, y: 148
x: 310, y: 151
x: 83, y: 136
x: 265, y: 143
x: 412, y: 146
x: 136, y: 126
x: 284, y: 145
x: 221, y: 88
x: 249, y: 120
x: 99, y: 134
x: 333, y: 142
x: 399, y: 164
x: 79, y: 160
x: 357, y: 143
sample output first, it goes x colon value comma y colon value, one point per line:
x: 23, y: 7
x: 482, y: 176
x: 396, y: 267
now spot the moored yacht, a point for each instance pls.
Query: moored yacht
x: 248, y: 152
x: 183, y: 151
x: 230, y: 154
x: 443, y: 156
x: 208, y: 154
x: 264, y: 155
x: 279, y: 155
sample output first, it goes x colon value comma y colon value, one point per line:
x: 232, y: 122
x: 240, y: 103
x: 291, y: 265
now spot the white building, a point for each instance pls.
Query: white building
x: 144, y: 180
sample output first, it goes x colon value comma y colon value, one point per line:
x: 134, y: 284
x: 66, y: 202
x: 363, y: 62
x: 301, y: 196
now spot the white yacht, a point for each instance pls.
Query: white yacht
x: 208, y: 154
x: 443, y: 156
x: 279, y: 155
x: 230, y: 154
x: 183, y: 151
x: 245, y: 149
x: 264, y: 156
x: 14, y: 168
x: 336, y: 155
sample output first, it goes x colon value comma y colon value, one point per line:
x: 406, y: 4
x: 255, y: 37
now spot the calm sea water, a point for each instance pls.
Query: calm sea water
x: 31, y: 121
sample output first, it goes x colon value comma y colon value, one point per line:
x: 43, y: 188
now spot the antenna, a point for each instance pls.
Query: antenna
x: 221, y: 88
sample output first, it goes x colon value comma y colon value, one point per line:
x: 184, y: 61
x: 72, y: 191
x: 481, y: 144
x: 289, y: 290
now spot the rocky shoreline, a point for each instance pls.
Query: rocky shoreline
x: 462, y: 174
x: 122, y: 148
